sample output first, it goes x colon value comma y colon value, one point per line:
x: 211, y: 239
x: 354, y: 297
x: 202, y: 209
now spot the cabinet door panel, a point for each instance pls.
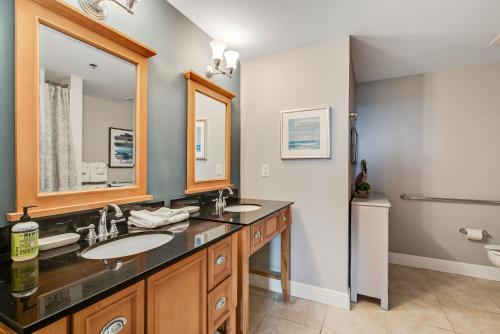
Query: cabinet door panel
x: 177, y: 297
x: 220, y: 304
x: 123, y: 309
x: 271, y: 227
x: 256, y: 236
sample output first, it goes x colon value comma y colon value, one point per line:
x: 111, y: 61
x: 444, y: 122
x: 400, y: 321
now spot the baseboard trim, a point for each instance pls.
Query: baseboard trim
x: 304, y: 291
x: 461, y: 268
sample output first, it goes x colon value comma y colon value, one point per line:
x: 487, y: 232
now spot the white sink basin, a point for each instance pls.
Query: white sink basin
x: 126, y: 246
x: 242, y: 208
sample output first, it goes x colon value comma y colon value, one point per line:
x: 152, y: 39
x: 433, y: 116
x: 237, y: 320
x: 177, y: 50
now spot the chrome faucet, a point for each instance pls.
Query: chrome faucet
x: 220, y: 202
x: 102, y: 231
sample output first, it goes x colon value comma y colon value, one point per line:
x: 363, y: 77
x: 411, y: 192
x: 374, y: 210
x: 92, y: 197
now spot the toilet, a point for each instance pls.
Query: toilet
x: 493, y: 252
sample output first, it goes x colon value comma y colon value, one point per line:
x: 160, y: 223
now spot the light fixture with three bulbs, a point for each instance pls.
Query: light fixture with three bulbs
x: 219, y: 54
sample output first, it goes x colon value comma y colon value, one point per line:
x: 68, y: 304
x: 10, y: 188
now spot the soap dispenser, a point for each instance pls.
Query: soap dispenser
x: 24, y: 238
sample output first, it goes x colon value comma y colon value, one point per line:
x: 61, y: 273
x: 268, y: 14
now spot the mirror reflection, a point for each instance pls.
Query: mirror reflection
x: 87, y: 116
x: 210, y: 138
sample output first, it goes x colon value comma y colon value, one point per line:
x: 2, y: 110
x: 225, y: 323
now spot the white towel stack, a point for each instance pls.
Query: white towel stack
x: 160, y: 217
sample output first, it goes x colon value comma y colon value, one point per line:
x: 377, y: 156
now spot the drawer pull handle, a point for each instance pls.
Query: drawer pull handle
x: 220, y: 303
x: 257, y: 235
x: 283, y: 218
x: 220, y: 260
x: 114, y: 326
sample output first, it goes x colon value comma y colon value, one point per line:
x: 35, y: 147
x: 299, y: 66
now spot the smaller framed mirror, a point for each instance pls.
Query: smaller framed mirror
x: 208, y: 135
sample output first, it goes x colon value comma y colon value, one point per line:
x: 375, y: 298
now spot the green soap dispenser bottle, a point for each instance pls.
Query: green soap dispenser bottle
x: 24, y: 238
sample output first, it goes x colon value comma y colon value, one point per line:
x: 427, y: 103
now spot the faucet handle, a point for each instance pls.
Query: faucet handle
x: 91, y: 229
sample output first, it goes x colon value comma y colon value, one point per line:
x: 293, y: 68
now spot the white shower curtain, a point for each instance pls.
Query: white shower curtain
x: 57, y: 152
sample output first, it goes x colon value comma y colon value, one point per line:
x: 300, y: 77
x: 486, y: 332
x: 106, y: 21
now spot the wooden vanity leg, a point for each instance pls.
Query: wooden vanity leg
x: 285, y: 263
x: 243, y: 319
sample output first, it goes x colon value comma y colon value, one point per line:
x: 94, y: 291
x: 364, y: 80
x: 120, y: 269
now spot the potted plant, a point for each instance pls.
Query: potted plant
x: 363, y: 190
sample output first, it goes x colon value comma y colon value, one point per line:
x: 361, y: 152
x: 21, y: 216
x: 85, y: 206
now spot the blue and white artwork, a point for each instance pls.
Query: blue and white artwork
x: 121, y: 148
x: 304, y: 133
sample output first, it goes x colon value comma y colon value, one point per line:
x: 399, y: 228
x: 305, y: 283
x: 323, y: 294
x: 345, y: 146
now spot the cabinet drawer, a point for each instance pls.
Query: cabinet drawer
x: 219, y: 262
x: 284, y: 218
x: 271, y: 227
x: 220, y: 304
x: 123, y: 309
x: 256, y: 236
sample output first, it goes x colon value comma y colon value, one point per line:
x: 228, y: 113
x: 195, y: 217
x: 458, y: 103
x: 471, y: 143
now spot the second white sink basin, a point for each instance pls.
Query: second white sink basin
x: 125, y: 246
x: 242, y: 208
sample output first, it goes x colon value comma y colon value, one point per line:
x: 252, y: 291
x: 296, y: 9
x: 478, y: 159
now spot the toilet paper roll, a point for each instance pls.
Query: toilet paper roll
x: 474, y: 234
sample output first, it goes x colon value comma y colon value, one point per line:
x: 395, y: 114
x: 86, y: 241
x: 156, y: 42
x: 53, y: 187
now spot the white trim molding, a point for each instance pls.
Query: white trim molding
x: 304, y: 291
x: 461, y: 268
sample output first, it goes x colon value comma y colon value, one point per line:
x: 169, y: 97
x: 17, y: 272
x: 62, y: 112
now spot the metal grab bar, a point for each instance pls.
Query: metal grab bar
x: 449, y: 200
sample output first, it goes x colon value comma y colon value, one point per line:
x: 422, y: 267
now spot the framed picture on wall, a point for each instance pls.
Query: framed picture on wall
x: 305, y: 133
x: 121, y: 148
x: 201, y: 139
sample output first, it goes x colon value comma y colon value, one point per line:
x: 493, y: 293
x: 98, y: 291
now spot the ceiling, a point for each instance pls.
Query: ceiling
x: 62, y: 56
x: 391, y: 38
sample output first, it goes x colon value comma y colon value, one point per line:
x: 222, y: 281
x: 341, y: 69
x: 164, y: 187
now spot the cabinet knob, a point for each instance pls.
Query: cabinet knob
x: 257, y: 235
x: 220, y: 303
x: 114, y: 326
x: 283, y: 218
x: 220, y: 260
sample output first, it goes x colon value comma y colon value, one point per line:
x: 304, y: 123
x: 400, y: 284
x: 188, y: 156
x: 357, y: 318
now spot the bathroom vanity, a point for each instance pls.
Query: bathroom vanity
x: 263, y: 221
x: 188, y: 285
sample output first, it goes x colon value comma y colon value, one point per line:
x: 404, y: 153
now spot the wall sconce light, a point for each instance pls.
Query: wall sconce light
x: 219, y: 53
x: 99, y: 10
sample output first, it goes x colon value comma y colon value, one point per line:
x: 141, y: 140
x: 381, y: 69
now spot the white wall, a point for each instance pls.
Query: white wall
x: 438, y: 135
x: 98, y: 116
x: 311, y: 76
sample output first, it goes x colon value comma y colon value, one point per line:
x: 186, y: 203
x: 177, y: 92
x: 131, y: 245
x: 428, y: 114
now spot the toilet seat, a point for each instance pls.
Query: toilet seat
x: 493, y: 252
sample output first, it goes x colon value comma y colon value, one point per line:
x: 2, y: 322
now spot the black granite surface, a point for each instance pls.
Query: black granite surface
x: 59, y: 282
x: 267, y: 208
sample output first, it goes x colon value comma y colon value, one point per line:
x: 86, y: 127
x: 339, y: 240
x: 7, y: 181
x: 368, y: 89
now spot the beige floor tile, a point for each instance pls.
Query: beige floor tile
x: 471, y: 321
x: 408, y: 280
x: 300, y: 311
x: 424, y: 309
x: 364, y: 317
x: 260, y: 304
x: 438, y: 279
x: 264, y: 292
x: 488, y: 285
x: 461, y: 296
x: 400, y: 326
x: 275, y: 325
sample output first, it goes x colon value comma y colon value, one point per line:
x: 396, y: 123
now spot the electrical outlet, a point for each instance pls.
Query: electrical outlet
x: 265, y: 170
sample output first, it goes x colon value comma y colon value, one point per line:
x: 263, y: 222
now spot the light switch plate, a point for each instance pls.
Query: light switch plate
x: 218, y: 169
x: 265, y: 170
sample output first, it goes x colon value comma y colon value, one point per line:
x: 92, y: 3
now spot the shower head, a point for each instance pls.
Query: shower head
x: 353, y: 115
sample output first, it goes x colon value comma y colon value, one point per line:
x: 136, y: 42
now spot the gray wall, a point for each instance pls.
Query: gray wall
x: 181, y: 46
x: 437, y: 135
x: 311, y: 76
x: 7, y: 187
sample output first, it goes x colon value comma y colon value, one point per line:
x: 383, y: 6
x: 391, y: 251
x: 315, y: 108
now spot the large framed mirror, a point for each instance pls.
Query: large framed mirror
x: 208, y: 135
x: 81, y: 111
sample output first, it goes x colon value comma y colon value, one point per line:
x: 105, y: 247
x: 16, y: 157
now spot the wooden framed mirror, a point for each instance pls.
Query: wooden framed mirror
x: 208, y: 135
x: 81, y: 111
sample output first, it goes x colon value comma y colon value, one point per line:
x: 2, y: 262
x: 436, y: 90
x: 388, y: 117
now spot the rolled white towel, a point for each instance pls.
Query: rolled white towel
x: 98, y: 172
x: 153, y: 219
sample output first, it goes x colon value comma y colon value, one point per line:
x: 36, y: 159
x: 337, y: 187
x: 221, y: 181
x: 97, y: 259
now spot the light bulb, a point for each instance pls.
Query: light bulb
x: 231, y: 59
x: 217, y: 51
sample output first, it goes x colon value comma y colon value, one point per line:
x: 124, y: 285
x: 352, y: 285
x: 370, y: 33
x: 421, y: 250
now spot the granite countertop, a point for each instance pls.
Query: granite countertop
x: 60, y: 282
x: 268, y: 207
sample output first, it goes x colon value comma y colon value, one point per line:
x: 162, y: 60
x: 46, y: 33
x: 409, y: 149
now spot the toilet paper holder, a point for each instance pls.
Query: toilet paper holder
x: 463, y: 230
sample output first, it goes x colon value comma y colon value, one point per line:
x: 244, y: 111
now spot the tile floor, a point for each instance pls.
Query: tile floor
x: 421, y: 302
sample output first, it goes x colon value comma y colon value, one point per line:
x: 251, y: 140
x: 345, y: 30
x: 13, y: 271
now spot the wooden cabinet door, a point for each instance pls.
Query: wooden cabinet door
x: 177, y: 297
x: 124, y: 309
x: 256, y: 236
x: 284, y: 218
